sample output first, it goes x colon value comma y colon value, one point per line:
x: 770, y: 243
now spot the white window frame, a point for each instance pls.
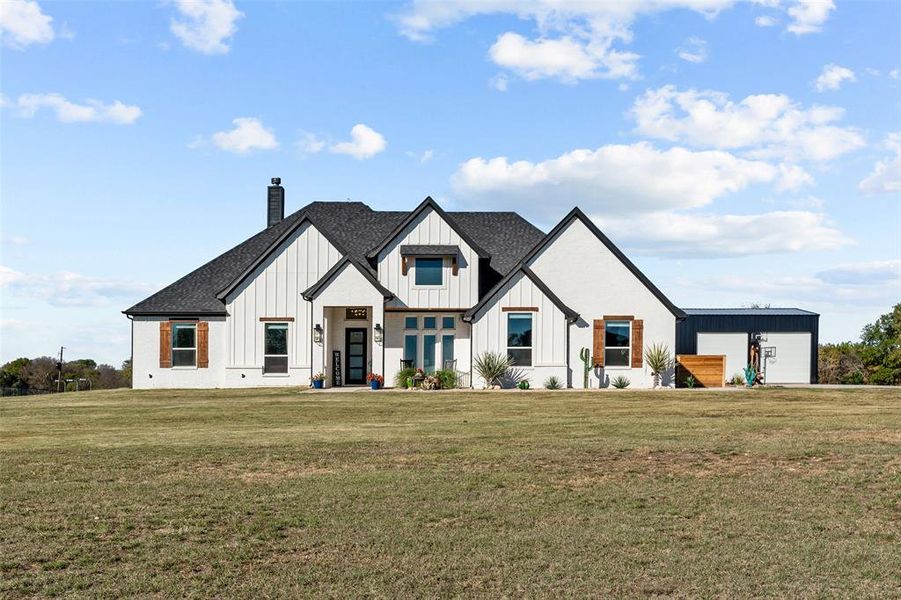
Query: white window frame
x: 531, y: 348
x: 287, y: 349
x: 628, y: 364
x: 173, y: 349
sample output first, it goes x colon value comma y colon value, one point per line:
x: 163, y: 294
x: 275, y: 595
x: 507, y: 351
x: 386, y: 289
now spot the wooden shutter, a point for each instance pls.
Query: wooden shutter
x: 165, y: 344
x: 203, y: 344
x: 637, y: 343
x: 404, y: 265
x: 598, y: 346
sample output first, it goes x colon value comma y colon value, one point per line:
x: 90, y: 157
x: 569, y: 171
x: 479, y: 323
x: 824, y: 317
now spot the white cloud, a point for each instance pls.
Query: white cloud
x: 500, y: 82
x: 426, y: 156
x: 249, y: 134
x: 693, y: 50
x: 70, y: 289
x: 576, y: 40
x: 207, y: 25
x: 13, y: 240
x: 631, y: 178
x: 885, y: 178
x: 766, y: 21
x: 310, y: 143
x: 765, y: 125
x: 364, y: 142
x: 22, y: 23
x: 808, y: 16
x: 564, y: 58
x: 864, y: 273
x: 69, y: 112
x: 832, y: 77
x: 716, y: 236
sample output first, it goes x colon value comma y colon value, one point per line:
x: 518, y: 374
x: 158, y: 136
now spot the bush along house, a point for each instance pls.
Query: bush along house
x: 340, y: 289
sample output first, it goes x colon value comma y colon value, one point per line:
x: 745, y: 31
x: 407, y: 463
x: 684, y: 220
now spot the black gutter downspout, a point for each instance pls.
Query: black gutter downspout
x: 132, y: 358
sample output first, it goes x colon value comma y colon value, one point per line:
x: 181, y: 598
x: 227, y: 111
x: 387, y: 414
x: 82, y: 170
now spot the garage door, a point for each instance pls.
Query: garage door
x: 733, y: 345
x: 792, y: 361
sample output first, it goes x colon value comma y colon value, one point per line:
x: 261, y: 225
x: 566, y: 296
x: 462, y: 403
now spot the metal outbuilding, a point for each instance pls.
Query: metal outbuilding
x: 781, y: 341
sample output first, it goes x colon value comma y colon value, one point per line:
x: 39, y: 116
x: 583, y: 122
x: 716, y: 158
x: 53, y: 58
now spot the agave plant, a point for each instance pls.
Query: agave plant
x: 620, y: 382
x: 659, y: 360
x: 552, y: 383
x: 492, y: 367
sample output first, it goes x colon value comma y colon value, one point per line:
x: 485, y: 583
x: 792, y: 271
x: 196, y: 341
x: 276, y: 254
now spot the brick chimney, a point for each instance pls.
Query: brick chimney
x: 275, y: 203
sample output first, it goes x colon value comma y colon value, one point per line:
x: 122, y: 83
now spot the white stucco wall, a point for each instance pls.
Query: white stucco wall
x: 348, y: 288
x: 588, y: 278
x: 274, y: 290
x: 146, y: 348
x: 489, y: 331
x: 457, y: 291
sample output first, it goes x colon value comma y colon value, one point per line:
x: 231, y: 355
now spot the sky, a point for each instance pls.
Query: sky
x: 738, y: 152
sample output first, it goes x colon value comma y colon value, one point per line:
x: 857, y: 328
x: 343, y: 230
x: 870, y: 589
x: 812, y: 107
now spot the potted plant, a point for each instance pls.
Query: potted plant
x: 318, y: 381
x: 375, y: 380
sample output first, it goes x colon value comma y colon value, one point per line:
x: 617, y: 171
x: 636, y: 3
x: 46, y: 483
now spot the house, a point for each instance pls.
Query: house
x: 341, y: 289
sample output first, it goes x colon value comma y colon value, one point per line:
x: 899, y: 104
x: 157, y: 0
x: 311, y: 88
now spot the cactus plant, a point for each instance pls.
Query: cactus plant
x: 750, y: 375
x: 585, y: 355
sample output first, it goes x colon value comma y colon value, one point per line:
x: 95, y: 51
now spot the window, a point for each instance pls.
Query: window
x: 447, y: 323
x: 275, y: 350
x: 447, y: 351
x: 429, y: 323
x: 184, y: 344
x: 519, y: 338
x: 616, y: 343
x: 410, y: 348
x: 429, y: 271
x: 411, y: 322
x: 428, y: 353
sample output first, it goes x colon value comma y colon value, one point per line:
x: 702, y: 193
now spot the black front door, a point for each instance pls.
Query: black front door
x: 354, y: 355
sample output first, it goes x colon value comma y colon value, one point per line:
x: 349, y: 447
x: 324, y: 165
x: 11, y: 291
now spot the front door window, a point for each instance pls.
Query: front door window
x: 355, y: 356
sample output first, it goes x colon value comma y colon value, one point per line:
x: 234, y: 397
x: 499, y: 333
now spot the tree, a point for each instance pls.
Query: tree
x: 881, y: 348
x: 40, y: 373
x: 11, y: 374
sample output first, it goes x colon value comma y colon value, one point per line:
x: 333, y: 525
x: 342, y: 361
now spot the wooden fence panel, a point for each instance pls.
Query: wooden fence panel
x: 709, y: 370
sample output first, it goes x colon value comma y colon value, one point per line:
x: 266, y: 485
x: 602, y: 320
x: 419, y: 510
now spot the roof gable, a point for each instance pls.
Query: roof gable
x: 576, y: 214
x: 425, y: 205
x: 570, y: 314
x: 317, y: 288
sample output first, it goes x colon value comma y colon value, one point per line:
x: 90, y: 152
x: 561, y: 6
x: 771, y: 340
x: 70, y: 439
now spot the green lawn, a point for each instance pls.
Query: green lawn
x: 284, y: 493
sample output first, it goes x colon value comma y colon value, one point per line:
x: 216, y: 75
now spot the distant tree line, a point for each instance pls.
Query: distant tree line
x: 36, y: 375
x: 875, y: 359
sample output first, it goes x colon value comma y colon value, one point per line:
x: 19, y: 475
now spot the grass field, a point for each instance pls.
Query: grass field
x: 281, y: 493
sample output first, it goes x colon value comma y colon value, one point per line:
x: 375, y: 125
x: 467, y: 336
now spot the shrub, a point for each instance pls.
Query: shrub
x: 400, y: 380
x: 690, y: 381
x: 620, y: 382
x: 492, y: 367
x: 552, y: 383
x: 447, y: 379
x: 737, y: 379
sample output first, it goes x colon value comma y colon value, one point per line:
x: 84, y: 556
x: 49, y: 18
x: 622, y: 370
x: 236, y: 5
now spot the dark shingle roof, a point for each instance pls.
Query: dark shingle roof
x: 429, y: 250
x: 749, y: 311
x: 354, y: 228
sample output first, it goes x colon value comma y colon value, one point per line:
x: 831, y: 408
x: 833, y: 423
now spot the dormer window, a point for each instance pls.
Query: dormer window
x: 429, y: 271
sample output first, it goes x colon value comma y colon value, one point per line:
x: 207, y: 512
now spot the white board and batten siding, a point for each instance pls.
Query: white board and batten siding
x: 456, y: 291
x: 274, y: 290
x: 489, y: 330
x: 592, y: 281
x: 734, y: 346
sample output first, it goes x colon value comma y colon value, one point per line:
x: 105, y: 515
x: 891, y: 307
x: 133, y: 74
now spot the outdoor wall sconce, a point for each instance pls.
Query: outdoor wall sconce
x: 317, y: 334
x: 378, y: 333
